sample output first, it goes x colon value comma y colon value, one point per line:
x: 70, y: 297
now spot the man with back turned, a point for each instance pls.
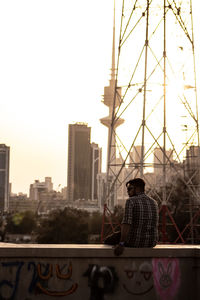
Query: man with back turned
x: 139, y: 227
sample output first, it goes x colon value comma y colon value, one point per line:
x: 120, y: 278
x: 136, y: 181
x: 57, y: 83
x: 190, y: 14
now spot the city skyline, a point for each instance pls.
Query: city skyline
x: 55, y: 61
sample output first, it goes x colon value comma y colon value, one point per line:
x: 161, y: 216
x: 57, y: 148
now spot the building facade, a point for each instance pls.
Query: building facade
x: 79, y: 162
x: 4, y: 177
x: 192, y: 165
x: 96, y: 161
x: 101, y: 189
x: 38, y: 188
x: 158, y: 160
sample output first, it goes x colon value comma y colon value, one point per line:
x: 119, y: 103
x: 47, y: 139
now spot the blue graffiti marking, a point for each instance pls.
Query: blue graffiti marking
x: 12, y: 286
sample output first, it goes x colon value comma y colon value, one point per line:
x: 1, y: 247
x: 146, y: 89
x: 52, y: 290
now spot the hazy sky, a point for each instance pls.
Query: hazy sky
x: 55, y: 60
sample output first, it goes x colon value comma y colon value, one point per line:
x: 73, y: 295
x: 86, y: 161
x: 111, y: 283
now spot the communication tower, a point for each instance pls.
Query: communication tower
x: 112, y: 98
x: 156, y: 73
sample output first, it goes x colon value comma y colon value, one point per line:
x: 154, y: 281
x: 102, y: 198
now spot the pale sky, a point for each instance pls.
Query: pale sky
x: 55, y: 60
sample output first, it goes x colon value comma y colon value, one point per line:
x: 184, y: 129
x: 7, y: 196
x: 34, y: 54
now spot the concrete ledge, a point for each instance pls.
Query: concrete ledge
x: 94, y: 250
x: 40, y: 272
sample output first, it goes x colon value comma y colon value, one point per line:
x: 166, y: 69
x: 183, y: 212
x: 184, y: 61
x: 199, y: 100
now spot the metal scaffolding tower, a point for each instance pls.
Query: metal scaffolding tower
x: 156, y: 73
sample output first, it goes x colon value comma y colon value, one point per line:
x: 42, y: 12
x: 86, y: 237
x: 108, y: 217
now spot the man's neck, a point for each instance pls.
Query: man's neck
x: 138, y: 193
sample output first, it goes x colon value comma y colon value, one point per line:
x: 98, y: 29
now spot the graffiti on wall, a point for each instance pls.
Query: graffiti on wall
x: 101, y: 280
x: 48, y: 279
x: 139, y: 279
x: 9, y: 285
x: 161, y: 276
x: 46, y: 283
x: 167, y: 277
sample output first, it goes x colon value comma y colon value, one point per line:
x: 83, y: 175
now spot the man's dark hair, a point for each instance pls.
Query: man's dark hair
x: 139, y: 182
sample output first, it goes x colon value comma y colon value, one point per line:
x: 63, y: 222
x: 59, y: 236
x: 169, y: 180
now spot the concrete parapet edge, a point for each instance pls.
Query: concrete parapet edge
x: 98, y: 251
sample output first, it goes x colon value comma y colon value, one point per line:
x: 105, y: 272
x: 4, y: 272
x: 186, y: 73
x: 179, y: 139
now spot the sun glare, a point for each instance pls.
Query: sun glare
x: 174, y: 89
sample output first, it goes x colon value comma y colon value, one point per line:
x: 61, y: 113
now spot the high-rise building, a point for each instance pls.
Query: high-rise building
x: 135, y: 155
x: 121, y: 194
x: 37, y: 188
x: 101, y: 189
x: 79, y: 162
x: 96, y: 157
x: 4, y: 177
x: 158, y: 160
x: 134, y: 162
x: 192, y: 165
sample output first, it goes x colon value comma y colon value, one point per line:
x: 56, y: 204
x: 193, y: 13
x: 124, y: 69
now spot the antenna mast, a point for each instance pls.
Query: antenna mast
x: 156, y: 74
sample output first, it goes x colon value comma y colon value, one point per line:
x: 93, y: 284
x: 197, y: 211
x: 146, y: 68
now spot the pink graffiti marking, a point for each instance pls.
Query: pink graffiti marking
x: 166, y: 275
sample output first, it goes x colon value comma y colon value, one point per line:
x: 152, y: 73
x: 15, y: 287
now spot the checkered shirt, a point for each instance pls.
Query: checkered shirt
x: 141, y: 212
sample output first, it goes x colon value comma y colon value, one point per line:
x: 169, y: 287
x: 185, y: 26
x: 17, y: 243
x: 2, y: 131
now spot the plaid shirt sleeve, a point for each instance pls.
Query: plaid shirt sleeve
x: 128, y: 213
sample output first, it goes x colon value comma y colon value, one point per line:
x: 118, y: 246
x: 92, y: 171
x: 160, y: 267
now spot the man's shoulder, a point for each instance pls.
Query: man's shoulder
x: 139, y: 197
x: 142, y: 198
x: 152, y: 199
x: 130, y: 202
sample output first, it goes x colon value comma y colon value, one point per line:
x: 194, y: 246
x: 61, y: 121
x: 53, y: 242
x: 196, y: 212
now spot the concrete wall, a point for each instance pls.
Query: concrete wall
x: 30, y: 272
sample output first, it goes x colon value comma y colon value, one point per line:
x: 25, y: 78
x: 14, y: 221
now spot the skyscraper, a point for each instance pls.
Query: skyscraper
x: 4, y: 177
x: 191, y: 165
x: 158, y: 159
x: 79, y: 162
x: 96, y: 156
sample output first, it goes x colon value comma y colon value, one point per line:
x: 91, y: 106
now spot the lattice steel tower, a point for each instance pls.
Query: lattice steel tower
x: 156, y: 72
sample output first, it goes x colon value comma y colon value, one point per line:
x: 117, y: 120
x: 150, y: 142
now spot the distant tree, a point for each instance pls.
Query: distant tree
x: 64, y: 227
x: 2, y: 228
x: 21, y: 223
x: 95, y: 223
x: 178, y: 207
x: 118, y: 213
